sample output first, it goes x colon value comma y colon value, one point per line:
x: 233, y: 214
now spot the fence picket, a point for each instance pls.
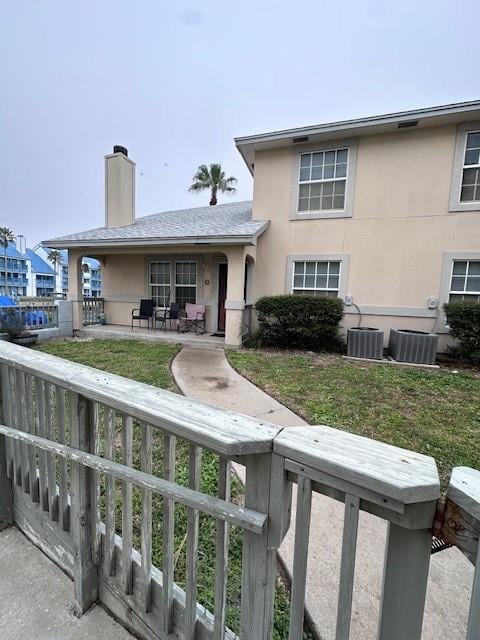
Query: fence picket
x: 7, y: 404
x: 127, y: 509
x: 347, y: 567
x: 168, y: 542
x: 42, y: 455
x: 51, y: 467
x: 63, y: 506
x: 221, y: 557
x: 21, y: 424
x: 194, y: 470
x: 30, y: 428
x: 109, y: 550
x: 302, y: 533
x: 146, y: 532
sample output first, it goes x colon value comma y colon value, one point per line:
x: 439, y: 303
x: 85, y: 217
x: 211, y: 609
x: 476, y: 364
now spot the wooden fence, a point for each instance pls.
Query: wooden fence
x: 77, y: 455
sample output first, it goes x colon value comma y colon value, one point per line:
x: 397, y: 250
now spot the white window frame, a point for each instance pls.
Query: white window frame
x: 464, y: 292
x: 342, y: 258
x: 192, y: 286
x: 334, y: 145
x: 458, y: 166
x: 151, y: 284
x: 446, y: 279
x: 316, y: 289
x: 343, y: 179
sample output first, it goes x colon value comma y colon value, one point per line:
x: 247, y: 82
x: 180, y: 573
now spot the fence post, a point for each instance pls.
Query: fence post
x: 266, y: 490
x: 6, y: 489
x: 407, y: 559
x: 85, y: 571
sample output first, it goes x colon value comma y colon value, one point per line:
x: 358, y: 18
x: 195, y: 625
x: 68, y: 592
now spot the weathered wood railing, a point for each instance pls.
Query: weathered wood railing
x: 92, y: 308
x: 79, y: 466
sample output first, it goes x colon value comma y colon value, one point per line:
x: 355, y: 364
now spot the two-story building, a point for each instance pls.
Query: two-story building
x: 381, y: 211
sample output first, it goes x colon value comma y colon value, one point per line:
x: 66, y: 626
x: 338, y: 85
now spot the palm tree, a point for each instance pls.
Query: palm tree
x: 6, y: 237
x: 212, y: 178
x: 55, y: 258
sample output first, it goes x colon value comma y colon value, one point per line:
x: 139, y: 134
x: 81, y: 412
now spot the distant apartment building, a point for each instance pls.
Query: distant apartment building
x: 31, y: 273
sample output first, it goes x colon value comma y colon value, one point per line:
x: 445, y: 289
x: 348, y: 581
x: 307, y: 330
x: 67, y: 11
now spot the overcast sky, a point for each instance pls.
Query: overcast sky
x: 175, y: 82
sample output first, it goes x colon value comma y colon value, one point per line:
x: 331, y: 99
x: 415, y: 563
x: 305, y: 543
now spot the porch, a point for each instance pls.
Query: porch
x: 219, y: 278
x: 119, y: 332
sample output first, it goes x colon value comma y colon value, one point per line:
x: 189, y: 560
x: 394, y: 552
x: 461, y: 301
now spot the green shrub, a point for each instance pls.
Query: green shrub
x: 464, y: 321
x: 307, y: 322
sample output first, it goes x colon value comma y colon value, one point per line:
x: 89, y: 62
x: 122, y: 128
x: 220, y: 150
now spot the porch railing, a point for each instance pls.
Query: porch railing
x: 92, y: 308
x: 76, y: 451
x: 39, y: 314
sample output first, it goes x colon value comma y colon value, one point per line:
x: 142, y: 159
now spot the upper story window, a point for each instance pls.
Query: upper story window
x: 465, y: 280
x: 471, y: 169
x: 323, y: 180
x: 316, y: 277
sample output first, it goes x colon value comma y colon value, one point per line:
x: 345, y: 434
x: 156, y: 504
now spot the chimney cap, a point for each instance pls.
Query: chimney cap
x: 119, y: 149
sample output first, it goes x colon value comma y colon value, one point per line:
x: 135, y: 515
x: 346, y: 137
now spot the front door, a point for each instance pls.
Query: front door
x: 222, y: 294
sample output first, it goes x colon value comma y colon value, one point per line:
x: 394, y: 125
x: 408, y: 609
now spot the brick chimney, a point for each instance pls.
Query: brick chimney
x: 119, y: 188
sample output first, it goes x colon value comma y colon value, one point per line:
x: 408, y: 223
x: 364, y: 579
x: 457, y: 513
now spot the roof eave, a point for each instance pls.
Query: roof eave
x: 246, y: 239
x: 359, y: 126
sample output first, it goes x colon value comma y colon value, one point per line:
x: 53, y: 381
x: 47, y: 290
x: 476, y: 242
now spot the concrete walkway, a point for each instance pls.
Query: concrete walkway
x: 204, y: 374
x: 36, y: 603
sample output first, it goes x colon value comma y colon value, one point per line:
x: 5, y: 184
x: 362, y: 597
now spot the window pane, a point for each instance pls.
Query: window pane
x: 460, y: 267
x: 310, y: 281
x: 310, y: 267
x: 327, y: 203
x: 472, y: 156
x: 303, y: 204
x: 334, y: 267
x: 477, y: 193
x: 328, y: 171
x: 317, y: 159
x: 467, y: 194
x: 305, y: 174
x: 298, y: 281
x: 315, y: 189
x: 321, y: 282
x: 474, y: 268
x: 342, y: 155
x: 469, y: 176
x: 314, y: 204
x: 317, y: 173
x: 304, y: 190
x: 328, y: 189
x: 329, y: 157
x: 305, y: 160
x: 339, y: 202
x: 473, y: 140
x: 458, y: 284
x: 473, y: 284
x: 339, y: 188
x: 185, y: 294
x: 322, y: 267
x: 341, y: 171
x: 299, y: 267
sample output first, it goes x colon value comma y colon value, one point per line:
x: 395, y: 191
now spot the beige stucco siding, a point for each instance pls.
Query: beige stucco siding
x: 398, y: 233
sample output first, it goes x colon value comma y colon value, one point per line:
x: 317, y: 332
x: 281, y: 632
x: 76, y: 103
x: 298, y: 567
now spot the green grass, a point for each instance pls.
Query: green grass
x: 435, y: 412
x: 150, y: 363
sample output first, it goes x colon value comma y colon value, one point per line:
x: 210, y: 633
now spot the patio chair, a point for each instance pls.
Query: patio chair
x: 192, y: 316
x: 167, y: 315
x: 145, y: 312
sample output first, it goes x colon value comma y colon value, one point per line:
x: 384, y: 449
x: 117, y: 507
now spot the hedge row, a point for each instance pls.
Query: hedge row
x: 463, y: 319
x: 306, y: 322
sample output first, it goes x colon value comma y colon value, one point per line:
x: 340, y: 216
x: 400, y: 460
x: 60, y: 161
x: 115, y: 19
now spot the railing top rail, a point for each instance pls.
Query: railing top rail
x: 222, y: 431
x: 404, y: 476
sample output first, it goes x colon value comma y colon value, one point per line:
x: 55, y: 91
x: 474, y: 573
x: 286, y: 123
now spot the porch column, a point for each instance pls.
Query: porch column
x: 75, y: 287
x: 235, y: 303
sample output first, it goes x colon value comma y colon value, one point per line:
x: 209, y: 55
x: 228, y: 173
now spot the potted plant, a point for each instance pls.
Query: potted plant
x: 14, y: 326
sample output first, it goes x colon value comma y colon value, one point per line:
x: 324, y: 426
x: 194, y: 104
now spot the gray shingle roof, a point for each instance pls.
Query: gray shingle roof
x: 223, y: 222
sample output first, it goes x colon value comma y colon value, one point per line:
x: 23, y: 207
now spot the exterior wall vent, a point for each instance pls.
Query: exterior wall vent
x: 407, y: 124
x: 418, y: 347
x: 365, y: 342
x: 300, y: 139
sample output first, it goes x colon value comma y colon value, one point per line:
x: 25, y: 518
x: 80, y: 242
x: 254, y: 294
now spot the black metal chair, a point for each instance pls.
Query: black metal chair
x: 145, y: 312
x: 167, y: 315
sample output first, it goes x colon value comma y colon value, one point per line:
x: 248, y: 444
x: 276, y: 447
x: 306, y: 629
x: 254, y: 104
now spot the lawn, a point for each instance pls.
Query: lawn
x: 150, y: 363
x: 435, y: 412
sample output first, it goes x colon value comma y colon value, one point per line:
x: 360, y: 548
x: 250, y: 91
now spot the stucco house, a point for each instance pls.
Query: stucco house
x: 381, y: 211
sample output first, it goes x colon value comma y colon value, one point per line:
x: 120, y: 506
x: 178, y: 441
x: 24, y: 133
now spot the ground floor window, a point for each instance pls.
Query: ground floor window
x: 316, y: 277
x: 185, y: 283
x: 160, y: 283
x: 465, y: 280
